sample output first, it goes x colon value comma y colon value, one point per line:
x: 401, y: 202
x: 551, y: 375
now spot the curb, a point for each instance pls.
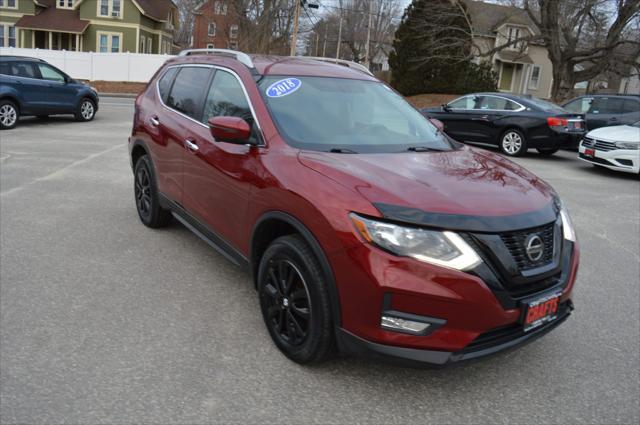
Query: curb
x: 126, y: 95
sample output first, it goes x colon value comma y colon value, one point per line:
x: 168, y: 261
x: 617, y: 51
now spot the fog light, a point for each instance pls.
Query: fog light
x: 403, y: 325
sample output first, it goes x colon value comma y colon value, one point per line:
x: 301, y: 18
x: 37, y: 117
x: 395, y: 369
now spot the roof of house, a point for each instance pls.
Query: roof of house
x: 488, y: 17
x: 53, y: 19
x: 156, y: 9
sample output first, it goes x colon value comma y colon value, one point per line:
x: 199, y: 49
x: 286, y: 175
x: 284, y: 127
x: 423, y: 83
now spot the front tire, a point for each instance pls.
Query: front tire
x: 513, y: 143
x: 547, y: 151
x: 146, y: 194
x: 294, y: 300
x: 9, y: 115
x: 86, y: 110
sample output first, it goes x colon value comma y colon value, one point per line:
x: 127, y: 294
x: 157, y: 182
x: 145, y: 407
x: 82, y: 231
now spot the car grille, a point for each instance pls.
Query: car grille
x: 599, y: 145
x: 503, y: 335
x: 595, y: 159
x: 516, y: 244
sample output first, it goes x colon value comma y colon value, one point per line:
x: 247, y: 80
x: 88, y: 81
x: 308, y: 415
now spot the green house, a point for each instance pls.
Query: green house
x: 136, y: 26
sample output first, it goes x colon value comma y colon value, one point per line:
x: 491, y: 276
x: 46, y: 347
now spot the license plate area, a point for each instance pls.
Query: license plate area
x: 590, y: 152
x: 541, y: 311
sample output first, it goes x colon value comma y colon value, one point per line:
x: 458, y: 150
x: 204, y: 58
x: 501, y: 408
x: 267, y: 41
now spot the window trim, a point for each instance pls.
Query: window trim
x: 65, y: 4
x: 215, y: 29
x: 5, y: 5
x: 520, y: 109
x: 6, y: 32
x: 261, y: 141
x: 110, y: 34
x: 109, y: 14
x: 530, y: 85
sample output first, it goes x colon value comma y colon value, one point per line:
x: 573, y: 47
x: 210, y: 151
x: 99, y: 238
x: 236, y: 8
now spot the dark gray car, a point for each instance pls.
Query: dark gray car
x: 606, y: 110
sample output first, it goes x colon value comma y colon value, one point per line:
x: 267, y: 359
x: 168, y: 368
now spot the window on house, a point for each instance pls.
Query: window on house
x: 212, y: 29
x: 65, y: 4
x: 12, y: 4
x: 115, y: 8
x: 109, y: 42
x: 534, y: 80
x: 210, y: 46
x: 110, y: 8
x: 233, y: 31
x: 220, y: 8
x: 514, y: 33
x: 143, y: 42
x: 149, y: 45
x: 233, y: 45
x: 7, y: 35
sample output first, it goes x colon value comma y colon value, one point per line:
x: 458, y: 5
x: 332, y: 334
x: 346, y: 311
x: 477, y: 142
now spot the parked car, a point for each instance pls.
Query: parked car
x: 364, y: 227
x: 513, y: 123
x: 617, y: 148
x: 30, y: 86
x: 606, y: 110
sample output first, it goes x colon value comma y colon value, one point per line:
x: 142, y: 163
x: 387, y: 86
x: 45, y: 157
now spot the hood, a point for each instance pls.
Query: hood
x: 467, y: 182
x: 618, y: 133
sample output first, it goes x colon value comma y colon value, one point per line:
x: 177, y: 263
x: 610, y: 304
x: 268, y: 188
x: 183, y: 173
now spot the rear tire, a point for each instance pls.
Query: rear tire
x: 146, y: 195
x: 513, y: 143
x: 547, y: 151
x: 294, y: 300
x: 9, y: 114
x: 86, y: 110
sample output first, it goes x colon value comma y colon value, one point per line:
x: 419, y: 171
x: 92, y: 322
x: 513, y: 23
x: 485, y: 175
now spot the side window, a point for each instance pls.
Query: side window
x: 579, y: 106
x: 186, y: 93
x: 164, y: 85
x: 467, y: 102
x: 24, y: 69
x: 631, y: 105
x: 48, y: 73
x: 226, y: 99
x: 606, y: 105
x: 5, y: 69
x: 497, y: 103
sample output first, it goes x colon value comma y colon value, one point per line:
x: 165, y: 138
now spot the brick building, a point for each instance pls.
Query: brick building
x: 216, y: 25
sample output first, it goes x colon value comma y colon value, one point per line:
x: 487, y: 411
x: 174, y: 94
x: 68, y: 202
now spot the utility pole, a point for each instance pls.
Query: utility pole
x: 317, y: 40
x: 339, y: 37
x: 366, y: 47
x: 294, y: 36
x: 324, y: 45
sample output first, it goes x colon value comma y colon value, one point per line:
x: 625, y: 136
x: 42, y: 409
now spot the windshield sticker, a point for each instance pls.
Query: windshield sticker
x: 284, y: 87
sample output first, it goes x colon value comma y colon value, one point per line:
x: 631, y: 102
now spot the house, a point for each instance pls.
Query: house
x: 216, y: 26
x: 522, y: 68
x: 137, y: 26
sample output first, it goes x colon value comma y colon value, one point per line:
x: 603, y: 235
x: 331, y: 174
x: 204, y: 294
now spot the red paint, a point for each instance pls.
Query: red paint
x: 230, y: 186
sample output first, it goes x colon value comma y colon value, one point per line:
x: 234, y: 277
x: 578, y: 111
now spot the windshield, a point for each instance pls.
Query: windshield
x: 546, y: 106
x: 343, y: 115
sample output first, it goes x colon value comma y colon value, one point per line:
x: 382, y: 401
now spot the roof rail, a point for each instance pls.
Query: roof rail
x: 239, y: 56
x: 343, y: 62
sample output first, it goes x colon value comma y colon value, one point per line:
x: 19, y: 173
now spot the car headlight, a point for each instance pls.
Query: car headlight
x: 445, y: 249
x: 628, y: 146
x: 567, y: 226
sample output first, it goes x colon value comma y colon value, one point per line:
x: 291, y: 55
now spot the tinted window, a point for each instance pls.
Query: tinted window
x: 186, y: 93
x: 579, y: 106
x: 631, y: 105
x: 226, y: 98
x: 5, y: 68
x: 545, y: 105
x: 497, y: 103
x: 467, y: 102
x: 24, y: 69
x: 606, y: 105
x: 48, y: 73
x: 164, y: 85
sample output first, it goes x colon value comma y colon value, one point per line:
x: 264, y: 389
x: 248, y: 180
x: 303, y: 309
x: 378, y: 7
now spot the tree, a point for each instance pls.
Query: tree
x: 433, y: 51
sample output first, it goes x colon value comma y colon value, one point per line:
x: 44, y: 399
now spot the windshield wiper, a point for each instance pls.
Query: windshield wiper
x: 341, y: 150
x: 423, y: 149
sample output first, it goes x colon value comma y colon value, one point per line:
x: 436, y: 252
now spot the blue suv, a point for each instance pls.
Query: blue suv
x: 30, y: 86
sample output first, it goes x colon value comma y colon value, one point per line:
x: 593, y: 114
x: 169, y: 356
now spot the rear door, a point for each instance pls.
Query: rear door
x: 488, y: 114
x: 173, y: 121
x: 218, y: 176
x: 59, y: 96
x: 604, y: 112
x: 630, y: 111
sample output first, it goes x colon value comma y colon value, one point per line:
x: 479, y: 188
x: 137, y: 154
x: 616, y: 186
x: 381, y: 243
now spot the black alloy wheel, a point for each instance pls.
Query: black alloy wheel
x: 146, y: 195
x: 143, y: 192
x: 287, y: 302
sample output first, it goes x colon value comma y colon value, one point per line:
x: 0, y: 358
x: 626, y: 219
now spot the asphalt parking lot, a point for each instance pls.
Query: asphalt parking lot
x: 105, y: 321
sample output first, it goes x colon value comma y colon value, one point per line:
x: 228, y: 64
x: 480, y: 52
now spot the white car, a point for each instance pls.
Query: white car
x: 615, y: 147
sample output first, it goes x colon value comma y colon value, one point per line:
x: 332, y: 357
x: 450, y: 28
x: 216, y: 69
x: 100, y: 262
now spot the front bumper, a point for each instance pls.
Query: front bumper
x: 486, y: 344
x: 619, y: 159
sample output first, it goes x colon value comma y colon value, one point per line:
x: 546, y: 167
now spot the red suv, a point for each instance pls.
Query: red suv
x: 365, y: 228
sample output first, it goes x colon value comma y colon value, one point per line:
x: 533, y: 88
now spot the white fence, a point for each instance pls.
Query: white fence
x: 97, y: 66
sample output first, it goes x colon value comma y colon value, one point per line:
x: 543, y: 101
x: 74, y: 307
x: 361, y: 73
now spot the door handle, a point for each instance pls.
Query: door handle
x: 154, y: 121
x: 613, y: 119
x: 482, y: 118
x: 191, y: 146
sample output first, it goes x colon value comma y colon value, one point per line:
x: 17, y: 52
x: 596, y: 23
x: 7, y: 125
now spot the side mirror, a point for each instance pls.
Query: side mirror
x: 445, y: 107
x: 230, y: 129
x: 437, y: 123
